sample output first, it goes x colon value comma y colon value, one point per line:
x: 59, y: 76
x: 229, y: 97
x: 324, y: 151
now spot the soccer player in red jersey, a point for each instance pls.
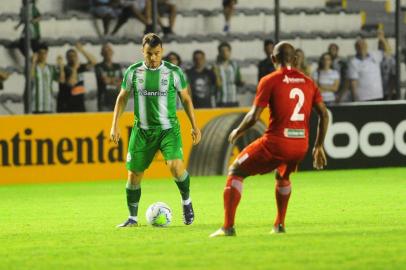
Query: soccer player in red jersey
x: 291, y: 96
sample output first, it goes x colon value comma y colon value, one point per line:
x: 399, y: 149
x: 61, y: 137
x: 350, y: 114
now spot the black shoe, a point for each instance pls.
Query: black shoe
x: 167, y: 30
x: 188, y: 214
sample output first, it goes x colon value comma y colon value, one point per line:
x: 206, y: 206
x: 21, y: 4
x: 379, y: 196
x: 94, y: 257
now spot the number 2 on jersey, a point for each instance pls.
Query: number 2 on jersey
x: 296, y: 115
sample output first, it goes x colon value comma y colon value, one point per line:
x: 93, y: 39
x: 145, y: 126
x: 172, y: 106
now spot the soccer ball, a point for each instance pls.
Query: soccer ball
x: 159, y: 214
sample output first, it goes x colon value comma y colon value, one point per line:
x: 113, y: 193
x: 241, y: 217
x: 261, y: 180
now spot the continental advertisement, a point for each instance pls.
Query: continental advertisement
x: 76, y: 147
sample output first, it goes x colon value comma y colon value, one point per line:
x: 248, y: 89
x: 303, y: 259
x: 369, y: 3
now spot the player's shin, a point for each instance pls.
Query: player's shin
x: 183, y: 183
x: 133, y: 199
x: 232, y: 197
x: 282, y: 194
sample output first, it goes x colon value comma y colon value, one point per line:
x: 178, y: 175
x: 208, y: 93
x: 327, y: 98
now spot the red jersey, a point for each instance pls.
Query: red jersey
x: 290, y: 96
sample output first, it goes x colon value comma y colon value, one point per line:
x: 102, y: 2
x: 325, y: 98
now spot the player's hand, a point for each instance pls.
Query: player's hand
x: 79, y: 46
x: 34, y: 58
x: 319, y: 158
x: 115, y: 134
x: 234, y: 135
x: 196, y: 135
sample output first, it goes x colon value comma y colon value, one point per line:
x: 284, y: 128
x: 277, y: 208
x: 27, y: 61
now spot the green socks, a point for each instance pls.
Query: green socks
x: 133, y: 198
x: 134, y: 194
x: 183, y: 184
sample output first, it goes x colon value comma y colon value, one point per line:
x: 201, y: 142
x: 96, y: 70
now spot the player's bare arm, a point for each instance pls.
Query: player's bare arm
x: 319, y: 157
x: 60, y: 64
x: 34, y: 61
x: 249, y: 120
x: 91, y: 60
x: 189, y: 109
x: 121, y: 103
x: 353, y: 88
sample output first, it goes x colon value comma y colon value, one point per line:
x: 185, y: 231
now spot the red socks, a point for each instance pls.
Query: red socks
x: 232, y: 196
x: 282, y: 194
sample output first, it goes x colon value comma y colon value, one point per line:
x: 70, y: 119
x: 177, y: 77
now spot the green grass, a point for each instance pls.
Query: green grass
x: 336, y: 220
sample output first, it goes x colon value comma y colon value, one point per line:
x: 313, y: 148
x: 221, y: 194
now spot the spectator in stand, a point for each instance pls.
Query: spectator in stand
x: 167, y: 7
x: 43, y: 77
x: 3, y: 77
x: 339, y: 64
x: 228, y: 11
x: 174, y: 58
x: 364, y: 73
x: 202, y: 82
x: 301, y: 62
x: 327, y: 79
x: 109, y: 76
x: 388, y: 68
x: 71, y: 96
x: 266, y: 66
x: 228, y: 77
x: 139, y: 9
x: 34, y: 27
x: 106, y: 10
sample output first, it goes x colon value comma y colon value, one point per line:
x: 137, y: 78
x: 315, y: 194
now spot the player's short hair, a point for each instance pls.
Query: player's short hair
x: 268, y: 41
x: 196, y: 52
x: 153, y: 40
x: 333, y: 45
x: 284, y: 52
x: 70, y: 51
x: 105, y: 45
x: 42, y: 46
x: 224, y: 44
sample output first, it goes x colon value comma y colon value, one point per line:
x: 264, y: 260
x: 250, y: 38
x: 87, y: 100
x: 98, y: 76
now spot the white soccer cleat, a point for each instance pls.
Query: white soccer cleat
x: 223, y: 232
x: 278, y: 229
x: 128, y: 223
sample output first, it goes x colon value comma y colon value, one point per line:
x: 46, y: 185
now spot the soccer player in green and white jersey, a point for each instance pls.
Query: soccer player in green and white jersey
x: 155, y: 84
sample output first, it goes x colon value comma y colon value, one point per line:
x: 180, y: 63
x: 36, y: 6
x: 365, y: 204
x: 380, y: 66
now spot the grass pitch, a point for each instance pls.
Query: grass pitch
x: 336, y: 220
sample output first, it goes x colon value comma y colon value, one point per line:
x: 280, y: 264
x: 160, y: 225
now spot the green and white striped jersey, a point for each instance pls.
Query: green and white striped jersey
x: 155, y: 92
x: 42, y: 90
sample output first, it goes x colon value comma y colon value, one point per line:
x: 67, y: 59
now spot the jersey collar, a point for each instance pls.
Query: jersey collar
x: 289, y: 68
x: 145, y: 66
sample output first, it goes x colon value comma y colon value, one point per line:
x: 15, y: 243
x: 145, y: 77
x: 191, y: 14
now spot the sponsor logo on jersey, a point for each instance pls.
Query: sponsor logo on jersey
x: 152, y: 93
x: 294, y: 133
x: 164, y: 82
x: 293, y: 80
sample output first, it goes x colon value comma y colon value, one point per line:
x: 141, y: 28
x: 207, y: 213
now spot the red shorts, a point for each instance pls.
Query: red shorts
x: 267, y: 154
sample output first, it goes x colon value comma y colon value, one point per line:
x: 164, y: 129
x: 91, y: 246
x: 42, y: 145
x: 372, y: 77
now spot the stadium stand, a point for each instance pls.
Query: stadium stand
x: 199, y: 26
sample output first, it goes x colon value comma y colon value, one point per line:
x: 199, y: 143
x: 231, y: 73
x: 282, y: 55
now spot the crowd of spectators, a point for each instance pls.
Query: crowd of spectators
x: 367, y: 76
x: 122, y: 10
